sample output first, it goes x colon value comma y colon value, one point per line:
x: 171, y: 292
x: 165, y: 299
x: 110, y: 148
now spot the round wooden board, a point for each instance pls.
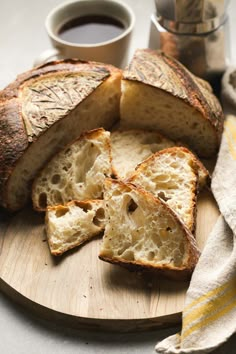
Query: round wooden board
x: 78, y: 289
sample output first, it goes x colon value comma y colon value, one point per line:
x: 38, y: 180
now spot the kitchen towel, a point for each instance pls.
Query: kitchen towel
x: 209, y: 315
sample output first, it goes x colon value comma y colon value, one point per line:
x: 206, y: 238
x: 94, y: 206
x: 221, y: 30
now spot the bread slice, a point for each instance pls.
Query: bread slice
x: 75, y: 173
x: 70, y: 225
x: 130, y: 147
x: 142, y: 232
x: 159, y: 93
x: 46, y: 108
x: 172, y: 176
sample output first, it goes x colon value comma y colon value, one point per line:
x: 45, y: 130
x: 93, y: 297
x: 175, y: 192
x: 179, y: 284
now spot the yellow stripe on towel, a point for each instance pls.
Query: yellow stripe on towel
x: 209, y: 294
x: 212, y: 309
x: 209, y: 319
x: 230, y: 133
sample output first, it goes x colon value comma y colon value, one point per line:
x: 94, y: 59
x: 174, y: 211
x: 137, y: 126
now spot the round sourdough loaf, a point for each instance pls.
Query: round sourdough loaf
x: 45, y: 109
x: 159, y: 93
x: 51, y: 105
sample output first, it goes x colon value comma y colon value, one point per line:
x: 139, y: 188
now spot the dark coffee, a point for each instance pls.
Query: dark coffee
x: 91, y: 29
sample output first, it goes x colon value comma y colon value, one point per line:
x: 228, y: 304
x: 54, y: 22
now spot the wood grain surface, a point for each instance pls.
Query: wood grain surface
x: 80, y: 290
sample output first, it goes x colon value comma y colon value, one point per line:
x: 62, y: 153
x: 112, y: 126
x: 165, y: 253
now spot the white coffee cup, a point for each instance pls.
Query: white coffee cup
x: 113, y: 51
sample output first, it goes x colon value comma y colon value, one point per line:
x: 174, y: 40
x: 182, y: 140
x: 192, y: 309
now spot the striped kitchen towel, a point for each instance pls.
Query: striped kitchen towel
x: 209, y: 315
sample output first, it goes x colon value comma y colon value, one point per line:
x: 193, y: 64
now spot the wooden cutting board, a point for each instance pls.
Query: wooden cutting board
x: 80, y: 290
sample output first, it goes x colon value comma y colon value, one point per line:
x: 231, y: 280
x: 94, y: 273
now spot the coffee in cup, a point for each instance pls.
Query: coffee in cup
x: 98, y: 30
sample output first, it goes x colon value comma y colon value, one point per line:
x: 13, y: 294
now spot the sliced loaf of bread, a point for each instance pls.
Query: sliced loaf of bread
x: 130, y: 147
x: 171, y: 175
x: 70, y: 225
x: 46, y: 108
x: 142, y: 232
x: 75, y: 173
x: 160, y: 93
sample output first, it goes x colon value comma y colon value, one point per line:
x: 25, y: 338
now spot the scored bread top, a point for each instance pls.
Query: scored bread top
x: 160, y: 71
x: 57, y: 66
x: 38, y: 102
x: 159, y: 92
x: 143, y: 232
x: 48, y: 92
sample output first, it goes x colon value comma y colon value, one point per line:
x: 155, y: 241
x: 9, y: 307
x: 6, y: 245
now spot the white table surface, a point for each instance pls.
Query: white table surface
x: 22, y: 39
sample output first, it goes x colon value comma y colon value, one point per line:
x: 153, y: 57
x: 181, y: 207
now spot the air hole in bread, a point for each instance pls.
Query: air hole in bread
x: 174, y: 164
x: 56, y: 179
x: 61, y: 212
x: 162, y: 196
x: 67, y: 167
x: 132, y: 206
x: 86, y: 207
x: 160, y: 177
x: 169, y: 229
x: 98, y: 219
x: 181, y: 155
x: 119, y: 252
x: 68, y: 152
x: 150, y: 255
x: 128, y: 255
x: 43, y: 200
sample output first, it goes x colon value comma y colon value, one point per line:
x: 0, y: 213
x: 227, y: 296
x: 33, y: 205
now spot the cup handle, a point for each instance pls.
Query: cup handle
x: 47, y: 55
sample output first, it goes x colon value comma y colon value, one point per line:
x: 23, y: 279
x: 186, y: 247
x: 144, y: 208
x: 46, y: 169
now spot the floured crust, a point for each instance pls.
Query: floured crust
x: 13, y: 141
x: 169, y: 81
x: 161, y: 71
x: 41, y: 91
x: 43, y: 98
x: 57, y: 66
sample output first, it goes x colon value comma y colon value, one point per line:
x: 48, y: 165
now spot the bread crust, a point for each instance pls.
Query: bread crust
x: 13, y: 141
x: 66, y: 65
x: 171, y: 273
x: 158, y: 70
x: 30, y: 124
